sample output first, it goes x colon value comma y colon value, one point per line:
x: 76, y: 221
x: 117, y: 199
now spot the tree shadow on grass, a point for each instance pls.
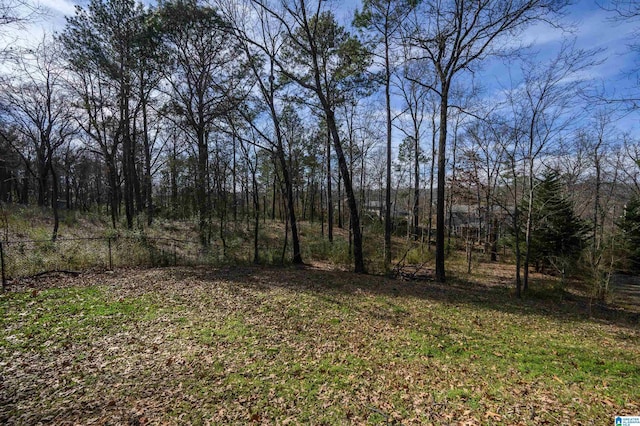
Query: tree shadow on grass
x: 457, y: 290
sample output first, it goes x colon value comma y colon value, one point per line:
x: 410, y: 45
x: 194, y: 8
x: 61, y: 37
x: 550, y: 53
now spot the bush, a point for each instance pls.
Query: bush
x: 419, y: 255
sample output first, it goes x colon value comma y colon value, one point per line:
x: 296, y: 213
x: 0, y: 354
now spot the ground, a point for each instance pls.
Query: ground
x: 264, y: 345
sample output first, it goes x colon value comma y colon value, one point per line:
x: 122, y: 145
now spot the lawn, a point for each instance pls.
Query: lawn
x: 253, y: 345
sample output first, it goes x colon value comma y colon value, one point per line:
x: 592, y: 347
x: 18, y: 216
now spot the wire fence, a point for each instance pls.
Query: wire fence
x: 26, y: 258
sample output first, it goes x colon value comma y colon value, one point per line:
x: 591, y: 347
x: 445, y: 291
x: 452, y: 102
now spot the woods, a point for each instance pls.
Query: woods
x: 319, y: 212
x: 383, y: 122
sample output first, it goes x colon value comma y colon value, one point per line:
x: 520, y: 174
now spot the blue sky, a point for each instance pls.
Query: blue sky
x: 593, y: 28
x: 592, y: 24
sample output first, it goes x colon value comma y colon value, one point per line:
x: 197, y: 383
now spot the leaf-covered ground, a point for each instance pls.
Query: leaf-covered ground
x: 305, y: 346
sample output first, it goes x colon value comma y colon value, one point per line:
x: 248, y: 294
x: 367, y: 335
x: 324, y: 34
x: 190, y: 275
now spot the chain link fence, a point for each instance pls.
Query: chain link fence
x: 20, y: 259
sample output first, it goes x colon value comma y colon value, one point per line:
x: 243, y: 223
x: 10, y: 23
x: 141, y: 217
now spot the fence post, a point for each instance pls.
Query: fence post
x: 4, y: 278
x: 110, y: 259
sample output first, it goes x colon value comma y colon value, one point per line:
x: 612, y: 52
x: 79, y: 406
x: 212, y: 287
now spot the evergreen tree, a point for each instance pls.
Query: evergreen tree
x: 558, y: 234
x: 630, y: 226
x: 104, y: 43
x: 321, y: 57
x: 206, y: 81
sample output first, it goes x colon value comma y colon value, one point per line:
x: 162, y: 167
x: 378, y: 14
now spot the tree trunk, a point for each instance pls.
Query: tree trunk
x: 494, y: 240
x: 387, y: 199
x: 416, y: 184
x: 453, y: 179
x: 516, y: 225
x: 201, y: 189
x: 286, y: 176
x: 321, y: 211
x: 329, y: 189
x: 348, y: 188
x: 147, y: 162
x: 42, y: 185
x: 113, y: 189
x: 173, y: 170
x: 24, y: 193
x: 256, y: 214
x: 67, y: 191
x: 54, y: 203
x: 128, y: 164
x: 440, y: 203
x: 274, y: 191
x: 295, y: 238
x: 431, y: 176
x: 339, y: 203
x: 128, y: 180
x: 234, y: 204
x: 529, y: 225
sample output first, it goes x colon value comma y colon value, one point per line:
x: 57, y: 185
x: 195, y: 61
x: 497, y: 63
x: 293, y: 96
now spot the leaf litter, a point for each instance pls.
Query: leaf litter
x: 253, y: 345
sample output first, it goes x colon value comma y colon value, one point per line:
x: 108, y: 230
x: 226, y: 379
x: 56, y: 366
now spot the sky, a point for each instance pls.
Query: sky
x: 591, y: 26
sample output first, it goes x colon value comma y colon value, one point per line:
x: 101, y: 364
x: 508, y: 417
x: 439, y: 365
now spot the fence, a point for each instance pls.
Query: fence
x: 19, y: 259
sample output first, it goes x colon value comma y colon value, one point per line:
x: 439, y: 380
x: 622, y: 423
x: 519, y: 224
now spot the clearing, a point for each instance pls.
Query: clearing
x: 306, y: 346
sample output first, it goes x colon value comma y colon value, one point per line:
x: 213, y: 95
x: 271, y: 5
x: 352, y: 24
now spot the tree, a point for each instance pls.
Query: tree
x: 95, y: 112
x: 454, y: 36
x: 630, y: 227
x: 591, y: 168
x: 39, y: 111
x: 416, y: 100
x: 206, y: 81
x: 261, y: 47
x: 15, y: 14
x: 149, y: 60
x: 102, y: 43
x: 541, y: 107
x: 10, y: 162
x: 625, y: 11
x: 558, y: 235
x: 485, y: 159
x: 323, y: 58
x: 383, y: 19
x: 509, y: 186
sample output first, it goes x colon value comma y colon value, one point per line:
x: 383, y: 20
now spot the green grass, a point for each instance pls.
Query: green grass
x: 276, y: 346
x: 50, y: 319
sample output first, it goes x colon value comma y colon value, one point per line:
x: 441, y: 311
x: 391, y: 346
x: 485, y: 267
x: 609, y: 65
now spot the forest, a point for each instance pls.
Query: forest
x: 381, y: 120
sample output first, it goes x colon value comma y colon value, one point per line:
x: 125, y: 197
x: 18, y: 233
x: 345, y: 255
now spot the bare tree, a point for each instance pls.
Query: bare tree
x: 15, y: 15
x: 594, y: 177
x: 485, y: 158
x: 625, y: 11
x: 95, y: 109
x: 322, y: 58
x: 541, y: 107
x: 38, y: 109
x: 260, y: 40
x: 416, y: 102
x: 453, y: 36
x: 383, y: 19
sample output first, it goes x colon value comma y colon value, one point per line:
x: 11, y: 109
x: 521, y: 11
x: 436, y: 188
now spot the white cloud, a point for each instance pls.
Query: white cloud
x: 540, y: 35
x: 59, y: 7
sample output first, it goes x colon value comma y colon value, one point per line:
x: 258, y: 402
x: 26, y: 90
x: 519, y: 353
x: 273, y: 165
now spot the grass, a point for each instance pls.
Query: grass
x: 54, y: 318
x: 305, y: 346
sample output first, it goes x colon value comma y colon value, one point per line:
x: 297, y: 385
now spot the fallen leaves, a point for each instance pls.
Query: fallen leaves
x: 274, y: 346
